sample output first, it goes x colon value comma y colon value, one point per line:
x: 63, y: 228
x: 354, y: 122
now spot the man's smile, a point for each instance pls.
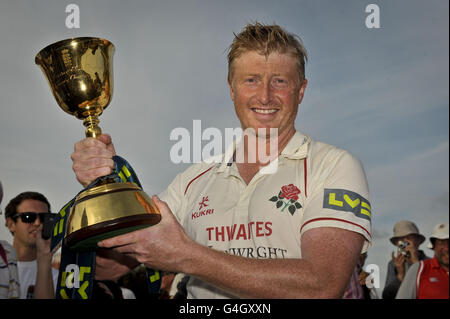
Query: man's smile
x: 264, y: 111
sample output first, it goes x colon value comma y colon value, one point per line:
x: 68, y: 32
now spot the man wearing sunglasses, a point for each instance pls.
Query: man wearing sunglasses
x: 24, y: 216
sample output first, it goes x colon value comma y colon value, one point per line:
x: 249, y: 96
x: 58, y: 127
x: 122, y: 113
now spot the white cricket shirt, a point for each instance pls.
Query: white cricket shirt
x: 315, y: 185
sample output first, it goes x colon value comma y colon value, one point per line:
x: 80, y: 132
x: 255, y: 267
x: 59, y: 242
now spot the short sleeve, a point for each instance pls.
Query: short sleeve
x: 339, y: 195
x: 172, y: 195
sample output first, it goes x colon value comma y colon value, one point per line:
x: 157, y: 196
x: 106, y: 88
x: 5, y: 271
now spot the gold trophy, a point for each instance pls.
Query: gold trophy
x: 79, y: 72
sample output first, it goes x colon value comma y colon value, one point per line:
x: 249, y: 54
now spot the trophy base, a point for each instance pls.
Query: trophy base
x: 87, y: 238
x: 108, y: 210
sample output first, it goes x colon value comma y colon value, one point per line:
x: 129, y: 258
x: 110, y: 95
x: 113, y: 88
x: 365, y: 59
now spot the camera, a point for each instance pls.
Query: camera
x: 49, y: 222
x: 401, y: 246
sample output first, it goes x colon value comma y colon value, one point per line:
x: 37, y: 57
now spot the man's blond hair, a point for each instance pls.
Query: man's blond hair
x: 267, y: 39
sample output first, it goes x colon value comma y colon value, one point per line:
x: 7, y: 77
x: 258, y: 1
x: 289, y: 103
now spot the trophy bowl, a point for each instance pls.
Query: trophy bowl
x: 79, y: 72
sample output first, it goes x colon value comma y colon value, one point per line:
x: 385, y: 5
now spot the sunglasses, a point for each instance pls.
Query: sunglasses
x: 30, y: 217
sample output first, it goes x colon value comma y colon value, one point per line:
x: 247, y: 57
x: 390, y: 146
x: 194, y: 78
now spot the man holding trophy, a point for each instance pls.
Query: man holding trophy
x: 294, y: 233
x: 79, y: 72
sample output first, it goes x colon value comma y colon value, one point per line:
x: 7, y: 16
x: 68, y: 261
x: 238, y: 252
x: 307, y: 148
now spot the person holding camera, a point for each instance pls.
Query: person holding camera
x: 24, y: 216
x: 407, y: 239
x: 428, y: 279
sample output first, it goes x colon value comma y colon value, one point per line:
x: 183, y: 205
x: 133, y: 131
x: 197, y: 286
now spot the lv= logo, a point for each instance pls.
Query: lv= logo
x: 348, y: 201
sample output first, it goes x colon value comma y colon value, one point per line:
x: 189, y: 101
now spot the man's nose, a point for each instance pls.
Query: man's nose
x: 37, y: 221
x: 265, y: 93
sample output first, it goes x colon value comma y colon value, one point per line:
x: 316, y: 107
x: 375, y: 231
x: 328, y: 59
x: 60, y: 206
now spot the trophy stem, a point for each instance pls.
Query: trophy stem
x: 92, y: 128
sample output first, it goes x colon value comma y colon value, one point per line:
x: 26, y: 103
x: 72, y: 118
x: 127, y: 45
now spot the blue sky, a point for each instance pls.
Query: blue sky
x: 380, y: 93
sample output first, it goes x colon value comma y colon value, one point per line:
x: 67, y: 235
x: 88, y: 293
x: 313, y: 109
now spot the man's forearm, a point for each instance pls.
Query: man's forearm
x: 44, y: 279
x: 260, y: 278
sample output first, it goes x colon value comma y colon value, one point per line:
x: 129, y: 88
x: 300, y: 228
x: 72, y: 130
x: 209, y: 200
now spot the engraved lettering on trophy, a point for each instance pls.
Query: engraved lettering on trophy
x: 67, y: 59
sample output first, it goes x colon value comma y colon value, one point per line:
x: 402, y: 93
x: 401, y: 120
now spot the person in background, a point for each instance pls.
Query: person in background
x: 357, y: 288
x: 24, y: 216
x: 9, y: 279
x: 369, y: 292
x: 179, y: 290
x: 407, y: 239
x: 167, y: 282
x: 354, y: 289
x: 428, y: 279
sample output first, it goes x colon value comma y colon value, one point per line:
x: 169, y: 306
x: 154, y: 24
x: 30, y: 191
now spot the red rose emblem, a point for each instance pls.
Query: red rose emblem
x: 290, y: 192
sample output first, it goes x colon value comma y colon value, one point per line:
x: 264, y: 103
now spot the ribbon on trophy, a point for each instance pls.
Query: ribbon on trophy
x: 77, y: 268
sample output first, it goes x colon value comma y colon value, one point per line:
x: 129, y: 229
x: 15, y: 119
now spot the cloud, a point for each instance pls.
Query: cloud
x: 379, y: 233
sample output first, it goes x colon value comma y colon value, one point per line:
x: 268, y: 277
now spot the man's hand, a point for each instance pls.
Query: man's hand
x: 162, y: 246
x: 44, y: 279
x: 92, y: 158
x: 111, y: 265
x: 42, y: 247
x: 362, y: 277
x: 399, y: 263
x: 412, y: 252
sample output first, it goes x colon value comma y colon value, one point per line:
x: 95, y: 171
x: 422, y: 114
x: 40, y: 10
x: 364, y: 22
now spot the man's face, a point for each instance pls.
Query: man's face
x: 266, y: 92
x: 25, y: 233
x: 411, y: 239
x: 441, y: 251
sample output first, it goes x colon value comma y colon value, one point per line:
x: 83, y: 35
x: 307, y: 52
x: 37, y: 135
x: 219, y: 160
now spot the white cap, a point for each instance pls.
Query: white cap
x: 439, y: 232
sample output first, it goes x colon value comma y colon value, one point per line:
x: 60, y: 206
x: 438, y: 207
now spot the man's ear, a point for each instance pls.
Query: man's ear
x: 302, y: 89
x: 10, y: 224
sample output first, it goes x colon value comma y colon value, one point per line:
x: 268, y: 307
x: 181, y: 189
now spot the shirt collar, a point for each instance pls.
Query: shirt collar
x: 434, y: 263
x: 227, y: 158
x: 297, y: 148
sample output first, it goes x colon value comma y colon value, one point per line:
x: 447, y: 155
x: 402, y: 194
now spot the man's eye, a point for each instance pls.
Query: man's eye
x: 278, y: 82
